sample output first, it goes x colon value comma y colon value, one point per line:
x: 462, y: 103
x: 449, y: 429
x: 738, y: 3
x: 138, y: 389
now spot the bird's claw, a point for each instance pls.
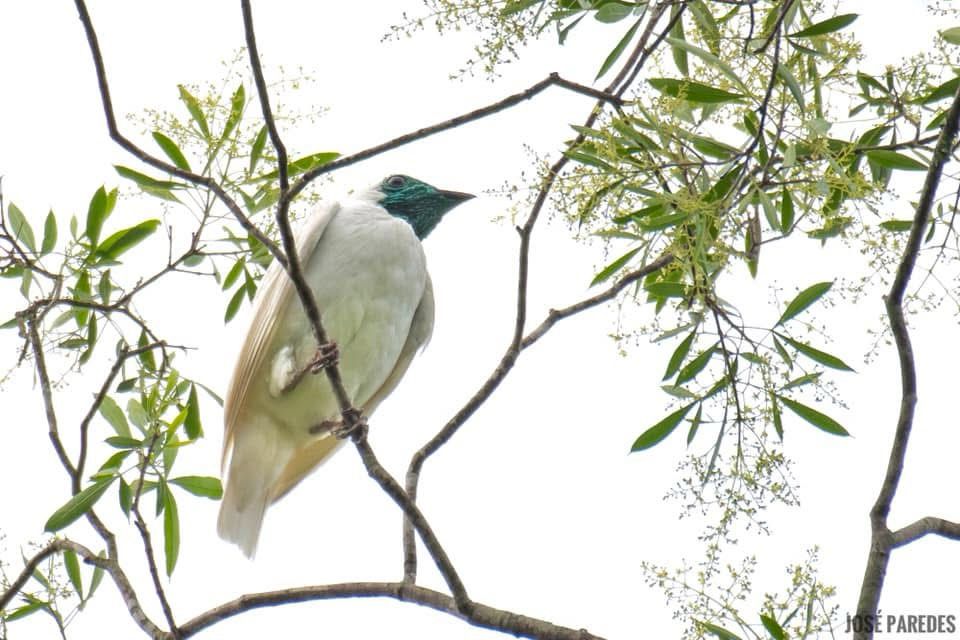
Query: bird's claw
x: 328, y: 355
x: 353, y: 425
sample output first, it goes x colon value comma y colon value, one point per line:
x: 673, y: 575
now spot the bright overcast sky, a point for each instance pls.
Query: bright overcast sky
x: 536, y: 500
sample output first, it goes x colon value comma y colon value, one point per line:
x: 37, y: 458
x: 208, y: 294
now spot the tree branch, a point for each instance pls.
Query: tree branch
x: 882, y: 540
x: 925, y: 526
x: 480, y: 615
x: 516, y: 343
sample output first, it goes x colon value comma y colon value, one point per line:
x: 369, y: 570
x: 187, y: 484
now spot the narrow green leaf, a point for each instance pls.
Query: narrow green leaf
x: 171, y: 531
x: 145, y: 182
x: 72, y: 565
x: 24, y: 611
x: 786, y: 211
x: 146, y: 357
x: 661, y: 430
x: 773, y: 627
x: 777, y: 418
x: 105, y: 287
x: 695, y: 366
x: 302, y: 165
x: 191, y: 424
x: 516, y: 6
x: 138, y: 415
x: 233, y: 274
x: 897, y: 225
x: 21, y: 228
x: 96, y: 579
x: 49, y: 234
x: 203, y: 486
x: 614, y: 266
x: 677, y: 51
x: 125, y: 239
x: 822, y: 357
x: 695, y: 424
x: 829, y: 25
x: 783, y: 353
x: 894, y: 160
x: 618, y: 50
x: 125, y: 497
x: 941, y: 92
x: 709, y: 58
x: 173, y: 152
x: 791, y: 81
x: 693, y: 91
x: 803, y: 300
x: 679, y: 355
x: 802, y: 380
x: 237, y: 101
x: 718, y: 631
x: 256, y: 148
x: 77, y: 505
x: 814, y: 417
x: 97, y: 212
x: 123, y: 442
x: 193, y: 106
x: 234, y: 305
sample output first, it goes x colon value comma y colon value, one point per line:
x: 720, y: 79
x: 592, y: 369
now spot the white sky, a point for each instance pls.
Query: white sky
x: 536, y: 500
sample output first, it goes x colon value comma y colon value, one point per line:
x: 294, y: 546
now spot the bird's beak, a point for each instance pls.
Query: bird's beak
x: 456, y: 197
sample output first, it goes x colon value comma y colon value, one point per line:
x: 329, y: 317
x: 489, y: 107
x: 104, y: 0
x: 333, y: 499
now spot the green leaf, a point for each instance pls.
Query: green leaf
x: 72, y: 565
x: 661, y: 430
x: 678, y: 52
x: 192, y: 425
x: 786, y: 211
x: 138, y: 416
x: 203, y: 486
x: 256, y: 148
x: 97, y: 212
x: 803, y: 300
x: 614, y: 266
x: 237, y: 101
x: 146, y: 357
x: 125, y: 497
x: 173, y: 152
x: 145, y: 182
x: 695, y: 366
x: 24, y: 611
x: 49, y: 234
x: 193, y: 106
x: 113, y: 414
x: 516, y: 6
x: 802, y: 380
x: 777, y: 418
x: 233, y: 274
x: 234, y: 305
x: 123, y: 442
x: 720, y: 632
x: 125, y: 239
x: 951, y: 35
x: 815, y: 354
x: 96, y: 579
x: 814, y: 417
x: 709, y: 58
x: 773, y: 627
x: 679, y: 355
x: 302, y: 165
x: 613, y: 12
x: 693, y: 91
x: 829, y: 25
x: 897, y: 225
x: 171, y: 531
x: 894, y: 160
x: 77, y: 505
x: 21, y: 228
x: 695, y: 424
x: 946, y: 90
x: 618, y: 50
x: 788, y: 79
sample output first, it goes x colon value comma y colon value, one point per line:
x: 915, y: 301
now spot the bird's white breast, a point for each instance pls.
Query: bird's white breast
x: 368, y: 273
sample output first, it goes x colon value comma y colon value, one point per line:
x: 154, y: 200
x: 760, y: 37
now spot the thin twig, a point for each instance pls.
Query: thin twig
x: 480, y: 615
x: 882, y: 540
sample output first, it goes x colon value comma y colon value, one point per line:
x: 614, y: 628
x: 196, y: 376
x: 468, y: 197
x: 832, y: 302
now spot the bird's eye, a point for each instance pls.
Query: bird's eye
x: 396, y: 181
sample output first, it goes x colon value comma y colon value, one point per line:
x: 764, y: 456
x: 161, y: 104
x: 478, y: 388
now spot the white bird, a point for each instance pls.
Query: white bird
x: 365, y: 264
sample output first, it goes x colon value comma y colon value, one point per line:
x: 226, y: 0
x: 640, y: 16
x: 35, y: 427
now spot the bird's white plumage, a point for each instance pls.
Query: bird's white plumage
x: 369, y: 276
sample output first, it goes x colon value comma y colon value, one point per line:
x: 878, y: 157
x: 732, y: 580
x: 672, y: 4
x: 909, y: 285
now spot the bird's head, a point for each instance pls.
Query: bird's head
x: 419, y: 204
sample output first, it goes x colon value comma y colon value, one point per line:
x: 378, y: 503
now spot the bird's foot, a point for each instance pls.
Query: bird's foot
x: 353, y: 425
x: 328, y: 355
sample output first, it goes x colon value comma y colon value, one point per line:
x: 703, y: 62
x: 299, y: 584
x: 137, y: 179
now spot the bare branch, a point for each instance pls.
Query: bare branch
x: 115, y: 134
x: 925, y: 526
x: 480, y: 615
x: 882, y: 540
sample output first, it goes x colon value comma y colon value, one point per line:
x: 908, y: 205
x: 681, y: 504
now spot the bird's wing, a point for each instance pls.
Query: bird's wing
x: 421, y: 328
x: 276, y: 291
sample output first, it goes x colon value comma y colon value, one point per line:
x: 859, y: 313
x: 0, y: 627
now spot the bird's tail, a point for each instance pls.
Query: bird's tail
x: 259, y: 456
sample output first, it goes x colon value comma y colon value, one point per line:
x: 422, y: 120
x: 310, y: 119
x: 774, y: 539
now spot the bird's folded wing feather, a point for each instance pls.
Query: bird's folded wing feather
x: 421, y: 328
x: 276, y: 292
